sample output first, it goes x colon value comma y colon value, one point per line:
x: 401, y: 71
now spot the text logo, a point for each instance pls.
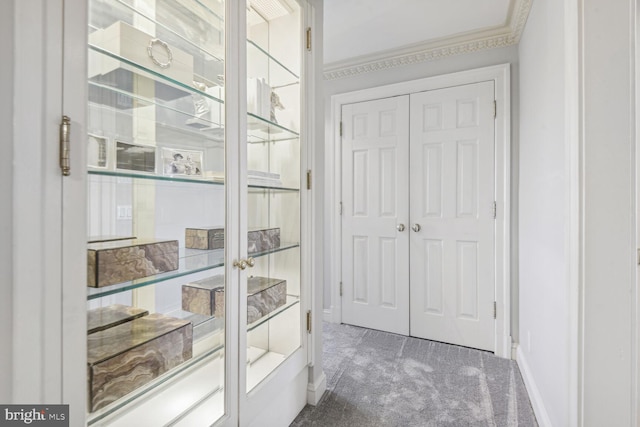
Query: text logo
x: 34, y: 415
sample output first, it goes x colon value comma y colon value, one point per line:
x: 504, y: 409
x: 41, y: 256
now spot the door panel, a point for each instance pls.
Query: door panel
x: 452, y: 194
x: 375, y: 161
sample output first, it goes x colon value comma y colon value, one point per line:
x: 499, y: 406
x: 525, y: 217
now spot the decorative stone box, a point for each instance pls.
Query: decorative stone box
x: 264, y: 295
x: 123, y: 260
x: 204, y: 238
x: 103, y: 318
x: 125, y: 357
x: 206, y: 296
x: 262, y: 240
x: 130, y: 43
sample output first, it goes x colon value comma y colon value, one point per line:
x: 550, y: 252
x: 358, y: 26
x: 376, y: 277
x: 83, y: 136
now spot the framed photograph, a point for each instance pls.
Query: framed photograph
x: 181, y: 162
x: 134, y: 157
x: 97, y: 150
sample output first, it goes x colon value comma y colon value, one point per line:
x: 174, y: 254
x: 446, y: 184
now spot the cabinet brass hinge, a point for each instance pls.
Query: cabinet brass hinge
x: 495, y: 109
x: 495, y: 310
x: 309, y: 39
x: 65, y: 149
x: 340, y: 288
x: 340, y: 128
x: 495, y: 210
x: 309, y: 321
x: 309, y: 179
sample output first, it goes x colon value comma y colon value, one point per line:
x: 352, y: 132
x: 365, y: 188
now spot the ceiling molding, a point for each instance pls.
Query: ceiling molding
x: 474, y: 41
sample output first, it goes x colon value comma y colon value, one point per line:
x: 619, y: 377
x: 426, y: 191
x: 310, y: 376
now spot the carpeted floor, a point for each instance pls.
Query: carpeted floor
x: 380, y: 379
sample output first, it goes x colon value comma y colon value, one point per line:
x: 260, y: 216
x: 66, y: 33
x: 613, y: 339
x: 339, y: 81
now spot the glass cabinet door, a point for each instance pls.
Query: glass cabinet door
x: 157, y: 212
x: 273, y: 181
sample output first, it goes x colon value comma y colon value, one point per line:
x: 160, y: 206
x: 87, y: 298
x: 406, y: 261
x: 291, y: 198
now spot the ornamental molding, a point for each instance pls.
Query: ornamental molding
x: 473, y: 41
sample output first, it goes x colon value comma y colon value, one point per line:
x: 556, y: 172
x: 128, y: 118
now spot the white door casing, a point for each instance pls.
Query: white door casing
x: 375, y: 265
x: 452, y: 189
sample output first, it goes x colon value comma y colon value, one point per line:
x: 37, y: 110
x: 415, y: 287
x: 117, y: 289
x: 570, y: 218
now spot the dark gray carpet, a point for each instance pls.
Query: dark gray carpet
x: 380, y: 379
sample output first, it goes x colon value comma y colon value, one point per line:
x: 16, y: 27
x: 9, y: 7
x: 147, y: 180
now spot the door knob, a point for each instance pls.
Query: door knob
x: 251, y: 262
x: 400, y: 227
x: 416, y: 227
x: 242, y: 264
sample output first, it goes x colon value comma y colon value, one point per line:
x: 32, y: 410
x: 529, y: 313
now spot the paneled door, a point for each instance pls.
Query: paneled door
x: 452, y: 215
x: 375, y: 196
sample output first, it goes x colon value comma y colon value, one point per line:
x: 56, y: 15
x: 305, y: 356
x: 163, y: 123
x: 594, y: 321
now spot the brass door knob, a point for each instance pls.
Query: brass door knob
x: 251, y: 262
x: 416, y: 227
x: 400, y: 227
x: 242, y: 264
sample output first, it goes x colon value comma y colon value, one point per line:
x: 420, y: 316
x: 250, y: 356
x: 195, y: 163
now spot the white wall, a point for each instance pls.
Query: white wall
x: 6, y: 207
x: 609, y: 212
x: 544, y: 293
x: 428, y: 69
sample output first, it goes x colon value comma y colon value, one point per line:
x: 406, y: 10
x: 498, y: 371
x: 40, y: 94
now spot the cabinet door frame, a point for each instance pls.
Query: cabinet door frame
x: 500, y: 74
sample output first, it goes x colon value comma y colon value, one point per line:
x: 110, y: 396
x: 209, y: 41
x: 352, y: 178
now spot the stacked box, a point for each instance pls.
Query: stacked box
x: 103, y: 318
x: 123, y: 260
x: 125, y: 357
x: 262, y: 240
x: 204, y: 238
x: 204, y: 297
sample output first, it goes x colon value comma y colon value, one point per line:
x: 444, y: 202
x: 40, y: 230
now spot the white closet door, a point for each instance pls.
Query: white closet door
x: 452, y: 233
x: 375, y: 181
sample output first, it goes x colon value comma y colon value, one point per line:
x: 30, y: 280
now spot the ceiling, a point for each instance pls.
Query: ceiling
x: 365, y: 35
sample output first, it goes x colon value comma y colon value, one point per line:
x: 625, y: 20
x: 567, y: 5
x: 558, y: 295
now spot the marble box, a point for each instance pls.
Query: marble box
x: 207, y: 296
x: 262, y: 240
x: 103, y: 318
x: 123, y: 260
x: 263, y: 296
x: 204, y: 238
x: 128, y: 356
x: 204, y: 297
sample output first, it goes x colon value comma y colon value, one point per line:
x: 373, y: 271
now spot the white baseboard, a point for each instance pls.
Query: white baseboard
x: 534, y: 394
x: 316, y: 390
x: 327, y: 315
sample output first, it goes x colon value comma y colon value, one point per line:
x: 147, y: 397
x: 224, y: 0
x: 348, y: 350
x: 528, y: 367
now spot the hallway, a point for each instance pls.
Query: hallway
x: 381, y: 379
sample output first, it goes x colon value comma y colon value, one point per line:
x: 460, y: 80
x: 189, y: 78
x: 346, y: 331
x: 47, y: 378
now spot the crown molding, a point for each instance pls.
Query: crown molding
x: 473, y: 41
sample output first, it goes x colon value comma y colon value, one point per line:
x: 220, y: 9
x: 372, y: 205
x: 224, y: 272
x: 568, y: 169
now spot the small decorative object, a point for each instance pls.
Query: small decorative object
x: 275, y: 103
x: 204, y: 297
x: 262, y: 240
x: 204, y: 238
x: 181, y: 162
x: 134, y: 157
x: 125, y: 357
x: 119, y: 261
x: 97, y: 151
x: 103, y: 318
x: 200, y: 102
x: 167, y: 51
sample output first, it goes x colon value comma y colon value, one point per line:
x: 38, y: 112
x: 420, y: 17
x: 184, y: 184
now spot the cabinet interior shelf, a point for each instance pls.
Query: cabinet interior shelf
x: 279, y: 74
x: 183, y: 370
x: 204, y: 181
x: 190, y: 261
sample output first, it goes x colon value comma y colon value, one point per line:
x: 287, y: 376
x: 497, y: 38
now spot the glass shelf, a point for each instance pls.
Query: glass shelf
x: 205, y: 181
x: 190, y: 261
x: 292, y: 300
x: 279, y: 74
x: 263, y: 130
x: 139, y: 69
x: 206, y: 357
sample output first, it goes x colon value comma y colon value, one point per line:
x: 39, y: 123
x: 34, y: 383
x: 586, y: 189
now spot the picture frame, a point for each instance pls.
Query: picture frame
x: 135, y: 157
x: 97, y: 151
x: 178, y: 162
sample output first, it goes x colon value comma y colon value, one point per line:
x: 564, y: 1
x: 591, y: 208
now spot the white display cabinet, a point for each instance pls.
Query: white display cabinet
x: 198, y: 211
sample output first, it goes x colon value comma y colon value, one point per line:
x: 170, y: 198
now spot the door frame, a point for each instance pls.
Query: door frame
x: 500, y: 75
